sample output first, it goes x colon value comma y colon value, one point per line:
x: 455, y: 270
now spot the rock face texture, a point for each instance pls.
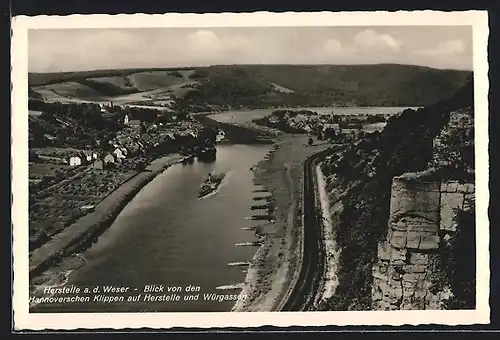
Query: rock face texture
x: 422, y: 220
x: 422, y: 216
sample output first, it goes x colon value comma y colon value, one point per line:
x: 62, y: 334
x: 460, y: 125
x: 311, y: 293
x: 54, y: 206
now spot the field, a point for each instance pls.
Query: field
x: 40, y: 170
x: 36, y: 79
x: 66, y: 89
x: 93, y: 183
x: 121, y: 82
x: 54, y: 151
x: 152, y: 87
x: 53, y: 215
x: 147, y: 81
x: 60, y: 205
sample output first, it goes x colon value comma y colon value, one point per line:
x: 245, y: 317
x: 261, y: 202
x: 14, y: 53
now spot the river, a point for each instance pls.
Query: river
x: 168, y: 236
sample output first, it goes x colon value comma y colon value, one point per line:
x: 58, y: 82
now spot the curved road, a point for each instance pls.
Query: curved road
x: 305, y: 289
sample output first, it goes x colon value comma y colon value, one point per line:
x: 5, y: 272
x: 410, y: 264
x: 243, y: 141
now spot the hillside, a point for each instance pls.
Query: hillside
x: 393, y: 178
x: 259, y: 86
x: 128, y: 86
x: 323, y: 85
x: 38, y: 79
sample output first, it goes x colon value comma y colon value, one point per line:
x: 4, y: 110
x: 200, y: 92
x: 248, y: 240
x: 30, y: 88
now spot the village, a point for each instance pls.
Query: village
x: 331, y: 127
x: 66, y: 180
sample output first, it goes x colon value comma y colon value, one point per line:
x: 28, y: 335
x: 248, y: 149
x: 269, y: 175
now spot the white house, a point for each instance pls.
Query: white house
x: 88, y: 156
x: 75, y: 161
x: 118, y: 154
x: 126, y: 120
x: 109, y: 158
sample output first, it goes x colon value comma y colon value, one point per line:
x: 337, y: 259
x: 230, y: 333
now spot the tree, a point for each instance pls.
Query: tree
x: 207, y: 136
x: 182, y: 115
x: 140, y: 166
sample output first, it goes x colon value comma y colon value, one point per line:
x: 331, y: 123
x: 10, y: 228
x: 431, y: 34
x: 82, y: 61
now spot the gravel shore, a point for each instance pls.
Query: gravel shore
x: 276, y: 263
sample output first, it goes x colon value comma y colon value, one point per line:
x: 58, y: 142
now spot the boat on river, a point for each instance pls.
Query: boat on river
x: 211, y: 184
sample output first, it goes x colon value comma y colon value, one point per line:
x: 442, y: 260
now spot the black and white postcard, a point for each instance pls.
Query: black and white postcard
x: 217, y: 170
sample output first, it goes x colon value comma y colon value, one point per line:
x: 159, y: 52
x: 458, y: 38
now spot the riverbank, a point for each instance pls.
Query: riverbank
x: 51, y: 263
x: 276, y: 263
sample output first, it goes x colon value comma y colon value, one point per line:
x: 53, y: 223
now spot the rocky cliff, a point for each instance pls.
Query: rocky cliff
x: 406, y: 230
x: 423, y: 221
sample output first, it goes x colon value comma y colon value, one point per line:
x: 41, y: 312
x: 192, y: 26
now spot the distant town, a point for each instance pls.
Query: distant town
x: 331, y: 127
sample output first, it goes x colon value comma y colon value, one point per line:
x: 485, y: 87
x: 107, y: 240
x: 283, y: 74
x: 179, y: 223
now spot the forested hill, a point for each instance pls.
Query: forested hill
x: 262, y: 86
x: 323, y: 85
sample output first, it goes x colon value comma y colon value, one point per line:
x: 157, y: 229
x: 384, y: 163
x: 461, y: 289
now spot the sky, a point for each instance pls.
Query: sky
x: 58, y: 50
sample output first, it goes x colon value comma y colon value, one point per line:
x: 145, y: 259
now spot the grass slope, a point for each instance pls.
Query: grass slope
x: 152, y: 80
x: 35, y: 79
x: 109, y: 84
x: 69, y: 89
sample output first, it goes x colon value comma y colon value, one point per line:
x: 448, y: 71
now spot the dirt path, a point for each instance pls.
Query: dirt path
x: 330, y: 213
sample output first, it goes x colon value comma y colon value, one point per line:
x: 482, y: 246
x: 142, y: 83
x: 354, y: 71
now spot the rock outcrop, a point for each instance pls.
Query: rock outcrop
x: 422, y: 220
x: 422, y: 216
x: 406, y: 229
